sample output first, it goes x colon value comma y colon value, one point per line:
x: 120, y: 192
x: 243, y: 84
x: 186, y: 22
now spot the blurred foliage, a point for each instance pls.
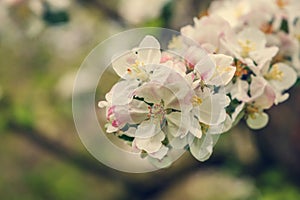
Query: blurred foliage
x: 39, y: 61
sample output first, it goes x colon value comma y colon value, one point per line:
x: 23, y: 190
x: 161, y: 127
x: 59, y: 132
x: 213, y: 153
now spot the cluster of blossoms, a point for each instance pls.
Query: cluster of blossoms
x: 232, y: 64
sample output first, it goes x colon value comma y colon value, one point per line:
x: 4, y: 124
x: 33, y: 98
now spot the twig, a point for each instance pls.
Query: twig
x: 136, y: 188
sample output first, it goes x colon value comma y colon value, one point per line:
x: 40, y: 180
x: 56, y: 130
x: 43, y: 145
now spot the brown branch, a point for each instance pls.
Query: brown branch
x: 136, y: 186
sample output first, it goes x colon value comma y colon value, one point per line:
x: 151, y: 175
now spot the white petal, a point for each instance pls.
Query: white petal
x: 281, y: 97
x: 138, y: 111
x: 239, y: 90
x: 160, y: 153
x: 148, y: 128
x: 149, y: 51
x: 102, y: 104
x: 261, y: 56
x: 202, y: 148
x: 253, y: 35
x: 288, y: 80
x: 177, y: 142
x: 178, y: 124
x: 237, y: 111
x: 195, y: 128
x: 122, y: 92
x: 212, y: 111
x: 111, y: 129
x: 152, y: 144
x: 258, y: 121
x: 121, y: 63
x: 163, y: 163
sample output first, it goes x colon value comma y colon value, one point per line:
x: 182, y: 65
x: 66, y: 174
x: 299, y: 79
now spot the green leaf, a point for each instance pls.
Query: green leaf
x: 284, y: 26
x: 55, y: 17
x: 126, y: 138
x: 297, y: 82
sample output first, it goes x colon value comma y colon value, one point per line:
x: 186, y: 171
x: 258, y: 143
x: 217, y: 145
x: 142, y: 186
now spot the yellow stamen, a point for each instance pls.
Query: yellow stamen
x: 223, y: 69
x: 251, y: 110
x: 196, y: 101
x: 247, y: 46
x: 274, y: 74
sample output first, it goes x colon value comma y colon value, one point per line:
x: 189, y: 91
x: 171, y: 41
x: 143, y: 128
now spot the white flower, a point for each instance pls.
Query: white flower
x: 232, y: 10
x: 280, y: 76
x: 250, y: 43
x: 224, y: 71
x: 209, y: 31
x: 134, y: 64
x: 262, y: 97
x: 137, y: 11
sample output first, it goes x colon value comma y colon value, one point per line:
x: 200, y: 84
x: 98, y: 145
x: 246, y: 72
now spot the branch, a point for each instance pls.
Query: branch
x: 61, y: 152
x: 137, y: 186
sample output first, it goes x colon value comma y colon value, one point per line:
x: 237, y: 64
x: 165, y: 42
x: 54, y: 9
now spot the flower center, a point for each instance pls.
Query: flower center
x: 251, y: 110
x: 267, y: 28
x: 246, y: 46
x: 136, y: 71
x: 240, y: 70
x: 274, y: 74
x: 157, y: 110
x: 196, y: 101
x: 281, y: 3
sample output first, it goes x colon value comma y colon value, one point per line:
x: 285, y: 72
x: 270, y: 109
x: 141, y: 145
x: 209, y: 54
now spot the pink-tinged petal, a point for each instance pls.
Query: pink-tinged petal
x: 206, y: 68
x: 267, y: 99
x: 258, y: 120
x: 257, y: 86
x: 122, y: 92
x: 194, y: 54
x: 121, y: 116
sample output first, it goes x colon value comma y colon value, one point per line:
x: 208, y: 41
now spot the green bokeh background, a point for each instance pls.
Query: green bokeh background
x: 41, y: 156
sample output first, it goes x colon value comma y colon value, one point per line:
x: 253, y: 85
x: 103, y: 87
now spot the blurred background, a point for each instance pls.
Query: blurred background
x: 43, y: 43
